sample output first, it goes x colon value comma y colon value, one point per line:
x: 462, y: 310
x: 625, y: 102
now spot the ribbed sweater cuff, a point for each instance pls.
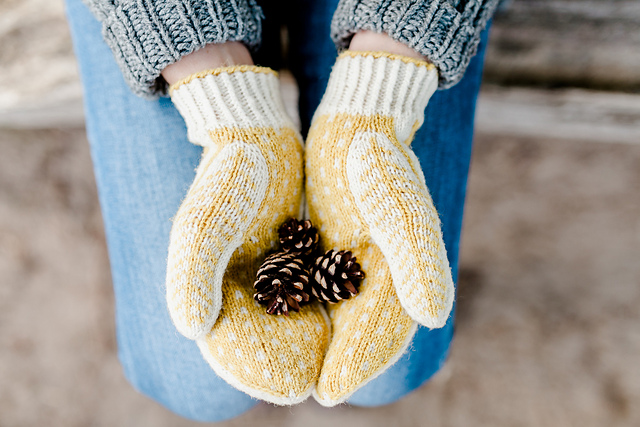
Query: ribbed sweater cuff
x: 146, y: 36
x: 372, y: 83
x: 447, y: 32
x: 240, y: 97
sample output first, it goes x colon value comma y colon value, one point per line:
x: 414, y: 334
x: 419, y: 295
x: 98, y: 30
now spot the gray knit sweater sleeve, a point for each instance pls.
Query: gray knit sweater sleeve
x: 147, y: 35
x: 445, y: 31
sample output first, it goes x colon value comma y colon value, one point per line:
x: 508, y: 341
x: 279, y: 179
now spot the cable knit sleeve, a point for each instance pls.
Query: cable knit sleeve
x: 147, y: 35
x: 447, y: 32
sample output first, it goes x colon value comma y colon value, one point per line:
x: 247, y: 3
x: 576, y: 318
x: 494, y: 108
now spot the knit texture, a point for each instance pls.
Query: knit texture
x: 366, y: 190
x: 447, y: 32
x: 273, y: 358
x: 146, y: 36
x: 248, y: 183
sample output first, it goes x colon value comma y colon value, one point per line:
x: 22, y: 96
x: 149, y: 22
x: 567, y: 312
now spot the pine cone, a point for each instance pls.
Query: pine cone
x: 335, y: 276
x: 298, y: 237
x: 282, y: 283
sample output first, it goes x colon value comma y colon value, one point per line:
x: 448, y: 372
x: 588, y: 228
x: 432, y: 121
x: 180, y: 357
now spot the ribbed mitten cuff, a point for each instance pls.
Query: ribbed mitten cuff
x: 447, y: 32
x: 232, y: 97
x: 370, y: 83
x: 147, y: 36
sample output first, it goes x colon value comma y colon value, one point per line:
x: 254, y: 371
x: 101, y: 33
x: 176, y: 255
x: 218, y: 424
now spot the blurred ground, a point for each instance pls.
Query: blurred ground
x: 547, y: 328
x: 547, y: 331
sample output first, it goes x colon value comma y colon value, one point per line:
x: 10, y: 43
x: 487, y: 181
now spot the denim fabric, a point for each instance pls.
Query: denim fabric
x: 143, y: 167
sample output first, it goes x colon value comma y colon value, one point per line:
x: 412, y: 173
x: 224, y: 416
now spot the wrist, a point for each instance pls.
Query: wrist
x: 236, y: 97
x: 209, y: 57
x: 370, y: 41
x: 381, y: 84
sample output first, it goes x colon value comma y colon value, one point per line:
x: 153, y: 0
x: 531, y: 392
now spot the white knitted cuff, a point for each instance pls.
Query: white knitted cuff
x: 239, y: 97
x: 370, y: 83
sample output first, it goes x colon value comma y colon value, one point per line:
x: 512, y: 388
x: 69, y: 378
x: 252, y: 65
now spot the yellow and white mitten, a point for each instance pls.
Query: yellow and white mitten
x: 367, y: 192
x: 248, y: 183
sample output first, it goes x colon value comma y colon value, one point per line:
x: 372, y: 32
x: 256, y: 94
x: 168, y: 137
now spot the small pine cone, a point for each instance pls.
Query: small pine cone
x: 282, y: 283
x: 298, y: 236
x: 335, y: 276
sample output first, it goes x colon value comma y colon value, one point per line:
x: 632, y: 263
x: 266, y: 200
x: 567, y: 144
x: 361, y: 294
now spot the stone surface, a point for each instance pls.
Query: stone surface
x: 566, y: 43
x: 572, y: 114
x: 39, y: 82
x: 547, y: 329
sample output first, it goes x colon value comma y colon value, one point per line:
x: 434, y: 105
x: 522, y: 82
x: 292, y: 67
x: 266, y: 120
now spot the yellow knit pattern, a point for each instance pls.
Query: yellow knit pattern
x: 225, y: 203
x: 248, y: 183
x: 275, y: 358
x: 366, y: 190
x: 369, y: 332
x: 371, y: 329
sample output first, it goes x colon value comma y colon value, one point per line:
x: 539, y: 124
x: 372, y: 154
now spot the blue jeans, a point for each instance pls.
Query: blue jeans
x: 143, y: 167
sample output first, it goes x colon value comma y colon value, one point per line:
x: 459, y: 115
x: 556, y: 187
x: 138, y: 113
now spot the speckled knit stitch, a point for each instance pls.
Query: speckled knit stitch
x: 367, y: 192
x: 248, y: 183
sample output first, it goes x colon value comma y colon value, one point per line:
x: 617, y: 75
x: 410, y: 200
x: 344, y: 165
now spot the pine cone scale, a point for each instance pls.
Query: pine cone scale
x: 282, y: 283
x: 298, y: 237
x: 349, y: 287
x: 335, y: 276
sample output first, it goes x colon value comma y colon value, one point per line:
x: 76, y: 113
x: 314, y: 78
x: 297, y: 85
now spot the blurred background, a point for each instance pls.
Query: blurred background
x: 548, y: 324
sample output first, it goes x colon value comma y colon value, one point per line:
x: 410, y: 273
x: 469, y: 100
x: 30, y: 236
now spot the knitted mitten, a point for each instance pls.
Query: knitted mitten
x: 248, y: 183
x: 366, y: 190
